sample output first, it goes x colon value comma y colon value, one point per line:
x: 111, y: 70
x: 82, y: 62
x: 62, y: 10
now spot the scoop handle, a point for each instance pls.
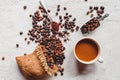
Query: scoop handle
x: 103, y: 17
x: 42, y: 4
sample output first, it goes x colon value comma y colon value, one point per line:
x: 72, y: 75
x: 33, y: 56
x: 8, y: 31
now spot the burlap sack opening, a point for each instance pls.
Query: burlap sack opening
x: 33, y: 66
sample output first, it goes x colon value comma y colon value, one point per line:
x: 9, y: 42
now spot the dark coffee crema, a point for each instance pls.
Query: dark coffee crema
x: 86, y: 50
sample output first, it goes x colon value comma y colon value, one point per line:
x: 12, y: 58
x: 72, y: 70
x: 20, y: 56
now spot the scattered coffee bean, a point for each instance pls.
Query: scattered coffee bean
x: 77, y: 28
x: 30, y: 15
x: 24, y: 7
x: 56, y: 13
x: 3, y: 58
x: 60, y: 17
x: 91, y: 15
x: 25, y: 54
x: 58, y: 9
x: 74, y: 19
x: 61, y: 73
x: 28, y: 42
x: 48, y: 10
x: 25, y: 39
x: 90, y: 7
x: 87, y: 13
x: 17, y: 45
x: 66, y: 13
x: 65, y: 8
x: 95, y: 8
x: 70, y: 15
x: 102, y: 8
x: 58, y: 6
x: 55, y: 74
x: 21, y: 33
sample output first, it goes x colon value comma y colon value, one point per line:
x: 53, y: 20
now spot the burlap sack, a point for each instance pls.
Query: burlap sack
x: 33, y: 66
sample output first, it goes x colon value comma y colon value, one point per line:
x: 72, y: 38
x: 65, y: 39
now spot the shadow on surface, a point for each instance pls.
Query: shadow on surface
x: 43, y: 77
x: 85, y: 68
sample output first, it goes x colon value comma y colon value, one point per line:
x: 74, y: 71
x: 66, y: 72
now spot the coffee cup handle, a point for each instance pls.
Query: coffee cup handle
x: 100, y: 60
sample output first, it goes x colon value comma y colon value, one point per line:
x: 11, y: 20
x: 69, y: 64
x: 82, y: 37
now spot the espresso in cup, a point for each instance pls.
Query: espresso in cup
x: 87, y: 51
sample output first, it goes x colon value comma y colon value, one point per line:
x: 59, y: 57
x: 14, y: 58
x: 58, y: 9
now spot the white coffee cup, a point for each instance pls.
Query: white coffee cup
x: 97, y: 58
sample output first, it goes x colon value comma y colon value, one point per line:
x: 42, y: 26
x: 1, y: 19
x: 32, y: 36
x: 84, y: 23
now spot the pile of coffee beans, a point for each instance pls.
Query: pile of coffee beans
x: 49, y: 34
x: 99, y: 11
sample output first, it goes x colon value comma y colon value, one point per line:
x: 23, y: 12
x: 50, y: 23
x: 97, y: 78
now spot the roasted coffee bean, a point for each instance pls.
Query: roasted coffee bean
x: 48, y: 10
x: 66, y: 13
x: 102, y: 7
x: 91, y: 15
x: 70, y: 15
x: 24, y: 7
x: 72, y: 30
x: 56, y: 13
x: 60, y: 17
x: 58, y: 6
x: 55, y: 74
x: 90, y: 7
x: 87, y: 13
x: 28, y: 42
x: 61, y: 20
x: 58, y: 9
x: 17, y: 45
x: 65, y: 8
x: 96, y: 8
x: 91, y: 11
x: 84, y: 29
x: 77, y: 28
x: 25, y: 39
x: 21, y: 33
x: 30, y: 15
x: 61, y: 73
x: 74, y: 19
x: 3, y: 58
x: 65, y: 40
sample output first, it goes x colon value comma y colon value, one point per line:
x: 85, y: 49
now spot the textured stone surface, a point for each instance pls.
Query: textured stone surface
x: 14, y: 19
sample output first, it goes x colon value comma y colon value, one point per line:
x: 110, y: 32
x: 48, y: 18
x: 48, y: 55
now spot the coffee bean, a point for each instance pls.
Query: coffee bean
x: 90, y: 7
x: 91, y: 15
x: 58, y: 9
x: 17, y: 45
x: 56, y: 13
x: 65, y: 8
x: 66, y: 13
x: 28, y: 42
x: 102, y: 7
x: 48, y: 11
x: 96, y: 8
x: 70, y: 15
x: 25, y: 39
x: 58, y: 6
x: 87, y: 13
x: 21, y: 33
x: 3, y: 58
x: 24, y: 7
